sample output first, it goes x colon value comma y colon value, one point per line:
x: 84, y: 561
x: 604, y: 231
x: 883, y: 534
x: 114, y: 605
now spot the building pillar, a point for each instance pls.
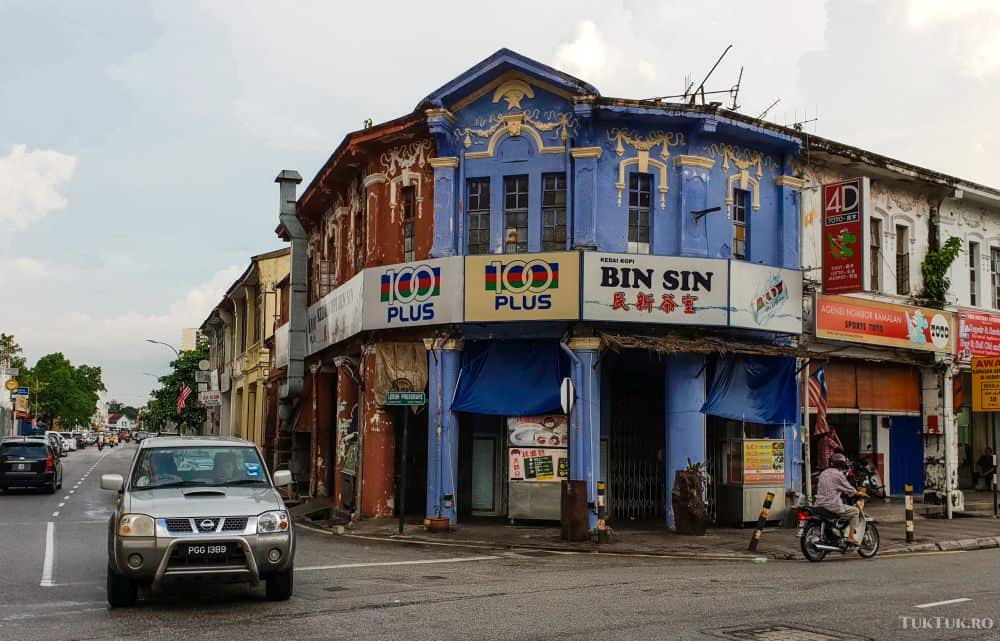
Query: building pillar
x: 685, y: 428
x: 585, y: 196
x: 447, y: 224
x: 347, y: 400
x: 789, y: 198
x: 585, y: 420
x: 442, y: 428
x: 378, y: 465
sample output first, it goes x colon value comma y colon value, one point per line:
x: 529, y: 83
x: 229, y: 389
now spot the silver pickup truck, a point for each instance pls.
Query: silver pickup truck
x: 202, y: 509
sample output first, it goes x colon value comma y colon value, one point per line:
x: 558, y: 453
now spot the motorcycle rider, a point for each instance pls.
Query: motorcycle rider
x: 832, y: 485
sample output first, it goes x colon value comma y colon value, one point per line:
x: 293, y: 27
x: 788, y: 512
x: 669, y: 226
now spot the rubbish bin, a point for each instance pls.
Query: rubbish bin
x: 573, y: 511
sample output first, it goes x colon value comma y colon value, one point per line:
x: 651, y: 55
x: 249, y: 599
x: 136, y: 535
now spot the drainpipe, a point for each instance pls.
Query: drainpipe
x: 291, y: 387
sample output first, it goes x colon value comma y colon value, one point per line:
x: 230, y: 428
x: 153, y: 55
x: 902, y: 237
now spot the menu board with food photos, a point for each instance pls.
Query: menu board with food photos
x: 530, y: 464
x: 550, y: 430
x: 763, y: 461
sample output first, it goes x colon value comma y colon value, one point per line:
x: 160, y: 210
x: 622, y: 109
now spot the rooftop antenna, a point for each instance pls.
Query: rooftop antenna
x: 735, y: 91
x: 799, y: 125
x: 769, y: 108
x: 701, y: 87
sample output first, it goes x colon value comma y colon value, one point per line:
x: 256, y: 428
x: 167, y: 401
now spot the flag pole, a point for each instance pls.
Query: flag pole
x: 806, y: 441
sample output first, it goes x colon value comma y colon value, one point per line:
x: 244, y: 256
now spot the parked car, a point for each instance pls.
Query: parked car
x: 178, y: 519
x: 55, y: 439
x: 29, y: 462
x: 68, y: 441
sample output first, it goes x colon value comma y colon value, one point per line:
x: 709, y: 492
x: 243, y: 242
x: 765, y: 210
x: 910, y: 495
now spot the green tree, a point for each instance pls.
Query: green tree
x: 117, y: 407
x: 10, y: 351
x: 62, y: 393
x: 934, y: 269
x: 163, y: 404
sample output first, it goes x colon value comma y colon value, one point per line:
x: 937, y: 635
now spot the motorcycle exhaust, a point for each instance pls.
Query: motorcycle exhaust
x: 831, y: 548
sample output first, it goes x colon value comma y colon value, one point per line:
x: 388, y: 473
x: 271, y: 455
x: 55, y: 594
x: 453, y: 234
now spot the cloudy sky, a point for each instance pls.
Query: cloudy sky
x: 139, y: 140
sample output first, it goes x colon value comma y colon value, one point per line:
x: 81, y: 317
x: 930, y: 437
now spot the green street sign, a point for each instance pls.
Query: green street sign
x: 405, y: 398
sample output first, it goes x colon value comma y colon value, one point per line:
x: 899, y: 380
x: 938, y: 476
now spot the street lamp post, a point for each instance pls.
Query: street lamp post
x: 150, y: 340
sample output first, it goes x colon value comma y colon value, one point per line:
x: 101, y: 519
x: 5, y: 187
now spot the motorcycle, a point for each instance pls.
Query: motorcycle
x: 864, y: 476
x: 821, y: 531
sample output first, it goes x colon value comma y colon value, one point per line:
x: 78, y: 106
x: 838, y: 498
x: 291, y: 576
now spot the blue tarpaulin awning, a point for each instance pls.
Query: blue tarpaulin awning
x: 510, y: 378
x: 756, y: 389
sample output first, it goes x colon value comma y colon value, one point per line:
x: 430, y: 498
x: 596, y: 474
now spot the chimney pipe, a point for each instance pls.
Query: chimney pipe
x: 291, y: 388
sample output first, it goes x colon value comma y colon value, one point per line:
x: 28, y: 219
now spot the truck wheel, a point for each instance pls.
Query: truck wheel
x: 122, y: 591
x: 279, y: 585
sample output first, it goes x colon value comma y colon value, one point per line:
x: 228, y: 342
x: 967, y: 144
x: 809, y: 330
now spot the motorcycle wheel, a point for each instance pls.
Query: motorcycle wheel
x: 870, y: 542
x: 810, y: 537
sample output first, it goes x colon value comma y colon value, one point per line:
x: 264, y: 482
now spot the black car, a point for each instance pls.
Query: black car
x: 29, y: 462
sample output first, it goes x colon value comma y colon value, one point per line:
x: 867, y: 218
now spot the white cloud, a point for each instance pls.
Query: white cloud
x: 965, y: 34
x: 587, y: 55
x: 23, y: 266
x: 30, y: 182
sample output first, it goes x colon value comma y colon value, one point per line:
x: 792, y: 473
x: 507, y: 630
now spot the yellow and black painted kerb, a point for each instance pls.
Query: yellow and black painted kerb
x: 909, y: 512
x: 761, y: 520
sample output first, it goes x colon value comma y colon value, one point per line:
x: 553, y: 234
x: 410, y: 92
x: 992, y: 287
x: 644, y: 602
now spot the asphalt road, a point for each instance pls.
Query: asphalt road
x: 355, y: 589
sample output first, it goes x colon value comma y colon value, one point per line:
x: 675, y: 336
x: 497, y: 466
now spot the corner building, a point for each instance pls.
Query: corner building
x: 647, y: 251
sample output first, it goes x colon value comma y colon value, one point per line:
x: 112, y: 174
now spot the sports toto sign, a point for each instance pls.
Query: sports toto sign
x: 541, y: 286
x: 865, y: 321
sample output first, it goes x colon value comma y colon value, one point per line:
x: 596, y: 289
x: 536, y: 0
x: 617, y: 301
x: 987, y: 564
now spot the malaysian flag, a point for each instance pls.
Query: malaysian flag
x: 817, y: 399
x: 182, y: 397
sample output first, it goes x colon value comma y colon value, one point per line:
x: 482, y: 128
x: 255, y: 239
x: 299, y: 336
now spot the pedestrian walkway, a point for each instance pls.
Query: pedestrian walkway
x: 930, y: 533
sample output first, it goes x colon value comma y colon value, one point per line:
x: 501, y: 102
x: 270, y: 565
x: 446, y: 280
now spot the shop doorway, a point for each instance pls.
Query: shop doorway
x: 416, y: 459
x: 906, y: 454
x: 636, y: 435
x: 481, y: 475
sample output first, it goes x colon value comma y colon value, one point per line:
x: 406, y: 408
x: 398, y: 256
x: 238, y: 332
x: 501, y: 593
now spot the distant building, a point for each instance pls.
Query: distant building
x: 119, y: 422
x: 189, y: 338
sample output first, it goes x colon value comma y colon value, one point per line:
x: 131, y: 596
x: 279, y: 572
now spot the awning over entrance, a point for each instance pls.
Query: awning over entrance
x: 756, y: 389
x: 510, y: 378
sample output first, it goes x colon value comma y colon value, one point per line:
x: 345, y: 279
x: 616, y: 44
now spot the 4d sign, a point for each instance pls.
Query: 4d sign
x: 411, y: 294
x: 843, y: 217
x: 541, y: 286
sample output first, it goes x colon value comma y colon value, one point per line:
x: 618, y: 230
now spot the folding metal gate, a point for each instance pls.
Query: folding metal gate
x: 636, y: 487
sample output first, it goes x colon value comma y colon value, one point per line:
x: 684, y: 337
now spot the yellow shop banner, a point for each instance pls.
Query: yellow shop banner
x: 507, y: 287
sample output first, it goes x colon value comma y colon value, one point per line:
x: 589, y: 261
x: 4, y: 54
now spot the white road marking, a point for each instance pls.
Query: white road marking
x: 345, y: 566
x: 66, y: 498
x: 55, y: 513
x: 71, y: 491
x: 50, y: 550
x: 937, y: 603
x: 61, y: 504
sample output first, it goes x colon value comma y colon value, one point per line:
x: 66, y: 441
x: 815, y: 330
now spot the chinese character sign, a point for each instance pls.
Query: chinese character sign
x: 655, y: 289
x: 843, y: 208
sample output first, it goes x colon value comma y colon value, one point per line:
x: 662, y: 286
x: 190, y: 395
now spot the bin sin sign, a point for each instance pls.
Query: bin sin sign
x: 843, y: 235
x: 985, y: 384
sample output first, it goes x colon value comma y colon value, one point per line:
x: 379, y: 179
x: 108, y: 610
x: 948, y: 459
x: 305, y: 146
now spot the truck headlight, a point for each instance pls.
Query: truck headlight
x: 136, y: 525
x: 270, y: 522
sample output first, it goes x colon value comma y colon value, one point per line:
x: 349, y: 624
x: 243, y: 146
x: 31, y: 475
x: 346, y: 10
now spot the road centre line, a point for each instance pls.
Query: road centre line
x: 937, y: 603
x: 50, y: 550
x: 345, y: 566
x: 56, y: 513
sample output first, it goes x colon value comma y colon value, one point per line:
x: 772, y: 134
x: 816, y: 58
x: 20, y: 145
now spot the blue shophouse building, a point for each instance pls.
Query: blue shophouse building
x: 649, y: 252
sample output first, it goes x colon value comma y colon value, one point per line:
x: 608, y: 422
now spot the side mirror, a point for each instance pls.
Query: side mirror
x: 112, y: 482
x: 282, y: 478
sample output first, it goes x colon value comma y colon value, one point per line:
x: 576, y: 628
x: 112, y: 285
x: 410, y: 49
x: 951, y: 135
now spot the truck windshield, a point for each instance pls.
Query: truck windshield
x: 164, y: 467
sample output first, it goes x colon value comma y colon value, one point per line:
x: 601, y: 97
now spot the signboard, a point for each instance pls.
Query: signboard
x: 11, y: 384
x: 655, y: 289
x: 550, y: 430
x: 411, y: 294
x: 864, y: 321
x: 210, y: 398
x: 281, y: 346
x: 405, y: 398
x: 22, y: 391
x: 225, y: 382
x: 765, y: 298
x: 538, y: 464
x: 336, y: 316
x: 985, y: 384
x: 20, y: 403
x: 510, y: 287
x: 763, y: 461
x: 213, y: 379
x: 843, y: 218
x: 9, y: 371
x: 201, y: 377
x: 978, y: 335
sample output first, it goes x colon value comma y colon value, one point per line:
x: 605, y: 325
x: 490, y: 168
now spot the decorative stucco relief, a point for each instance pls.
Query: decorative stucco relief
x: 642, y: 145
x: 402, y: 166
x: 743, y: 160
x: 530, y: 122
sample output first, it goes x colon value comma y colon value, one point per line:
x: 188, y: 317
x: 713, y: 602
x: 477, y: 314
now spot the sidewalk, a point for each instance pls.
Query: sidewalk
x: 930, y: 534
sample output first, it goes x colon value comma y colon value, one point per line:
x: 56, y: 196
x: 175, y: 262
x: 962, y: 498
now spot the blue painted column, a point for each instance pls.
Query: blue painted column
x: 585, y: 196
x: 685, y: 437
x: 789, y: 196
x: 793, y: 444
x: 442, y: 433
x: 585, y: 419
x: 446, y: 228
x: 694, y: 180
